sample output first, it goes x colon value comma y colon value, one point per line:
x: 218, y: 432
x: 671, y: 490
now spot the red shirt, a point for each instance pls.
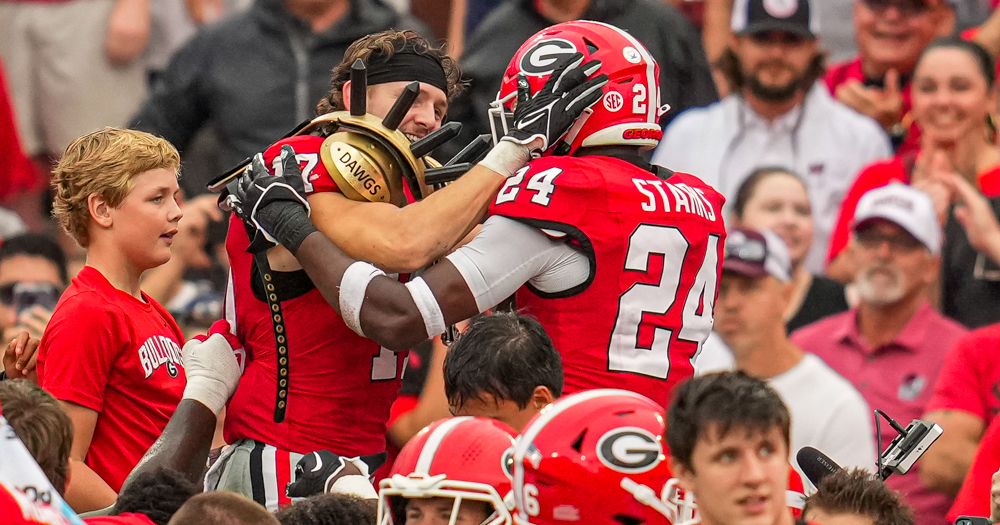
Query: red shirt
x: 839, y: 74
x: 18, y: 172
x: 121, y: 357
x: 341, y: 385
x: 970, y: 379
x: 883, y: 173
x: 897, y: 377
x: 973, y: 498
x: 655, y: 248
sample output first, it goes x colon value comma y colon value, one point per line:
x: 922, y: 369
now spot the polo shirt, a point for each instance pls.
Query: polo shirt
x: 896, y: 377
x: 823, y: 141
x: 973, y: 498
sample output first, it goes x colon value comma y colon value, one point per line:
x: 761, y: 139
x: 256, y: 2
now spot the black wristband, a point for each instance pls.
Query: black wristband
x: 288, y: 222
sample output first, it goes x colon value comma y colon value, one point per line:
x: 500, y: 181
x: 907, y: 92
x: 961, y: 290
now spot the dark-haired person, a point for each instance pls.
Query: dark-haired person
x: 954, y: 96
x: 777, y: 115
x: 347, y: 416
x: 329, y: 509
x: 504, y: 367
x: 890, y: 35
x: 777, y: 199
x: 222, y: 508
x: 32, y: 277
x: 856, y: 497
x: 728, y: 436
x: 255, y: 75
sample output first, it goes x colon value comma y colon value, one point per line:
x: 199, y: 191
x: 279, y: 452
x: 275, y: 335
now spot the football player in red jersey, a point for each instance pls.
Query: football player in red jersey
x: 453, y: 472
x: 617, y: 258
x: 334, y: 389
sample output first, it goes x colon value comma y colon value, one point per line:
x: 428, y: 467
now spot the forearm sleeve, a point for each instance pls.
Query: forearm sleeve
x: 507, y: 254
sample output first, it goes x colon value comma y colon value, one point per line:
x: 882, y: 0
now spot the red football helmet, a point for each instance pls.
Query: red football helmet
x: 464, y: 458
x: 597, y: 457
x: 626, y: 114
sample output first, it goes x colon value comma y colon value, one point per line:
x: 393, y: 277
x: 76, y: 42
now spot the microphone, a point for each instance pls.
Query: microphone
x: 816, y: 465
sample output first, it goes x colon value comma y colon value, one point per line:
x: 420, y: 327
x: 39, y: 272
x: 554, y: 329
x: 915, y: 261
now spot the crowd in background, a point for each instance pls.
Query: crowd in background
x: 856, y: 143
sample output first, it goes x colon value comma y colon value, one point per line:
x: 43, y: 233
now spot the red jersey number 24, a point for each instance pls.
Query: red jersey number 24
x: 624, y: 352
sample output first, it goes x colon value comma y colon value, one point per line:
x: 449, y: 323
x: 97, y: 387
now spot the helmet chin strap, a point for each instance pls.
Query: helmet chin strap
x: 577, y: 126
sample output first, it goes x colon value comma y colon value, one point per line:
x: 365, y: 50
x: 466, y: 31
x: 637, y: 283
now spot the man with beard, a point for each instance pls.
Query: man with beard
x: 893, y: 344
x: 777, y: 115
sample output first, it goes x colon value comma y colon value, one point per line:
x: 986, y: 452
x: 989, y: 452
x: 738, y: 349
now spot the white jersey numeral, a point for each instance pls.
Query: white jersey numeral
x: 311, y: 160
x: 541, y: 183
x: 624, y: 352
x: 639, y: 99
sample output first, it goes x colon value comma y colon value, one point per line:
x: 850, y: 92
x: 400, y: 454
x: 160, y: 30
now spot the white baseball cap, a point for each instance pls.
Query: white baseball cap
x: 905, y: 206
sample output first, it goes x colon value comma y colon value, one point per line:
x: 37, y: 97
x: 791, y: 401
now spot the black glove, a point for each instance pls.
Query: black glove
x: 552, y: 111
x: 317, y: 471
x: 274, y: 207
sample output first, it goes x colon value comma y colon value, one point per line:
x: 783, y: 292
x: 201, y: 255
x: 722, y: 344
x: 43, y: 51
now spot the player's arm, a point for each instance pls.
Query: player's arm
x: 406, y: 239
x: 409, y: 238
x: 212, y: 373
x: 86, y: 490
x: 504, y: 256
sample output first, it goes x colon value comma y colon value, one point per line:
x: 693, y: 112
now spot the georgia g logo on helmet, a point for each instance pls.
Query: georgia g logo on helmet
x: 629, y: 449
x: 542, y: 57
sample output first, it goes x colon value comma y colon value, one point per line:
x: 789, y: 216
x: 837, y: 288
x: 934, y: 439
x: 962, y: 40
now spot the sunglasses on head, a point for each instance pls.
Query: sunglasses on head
x: 906, y: 7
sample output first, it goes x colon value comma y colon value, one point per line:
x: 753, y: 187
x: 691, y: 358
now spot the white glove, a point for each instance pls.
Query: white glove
x: 212, y: 371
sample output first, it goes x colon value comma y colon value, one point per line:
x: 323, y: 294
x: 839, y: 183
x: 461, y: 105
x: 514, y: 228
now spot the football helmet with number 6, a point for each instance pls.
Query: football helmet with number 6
x: 597, y: 457
x: 461, y: 458
x: 629, y: 109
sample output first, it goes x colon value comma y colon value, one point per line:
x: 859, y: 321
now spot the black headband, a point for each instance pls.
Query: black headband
x: 408, y: 66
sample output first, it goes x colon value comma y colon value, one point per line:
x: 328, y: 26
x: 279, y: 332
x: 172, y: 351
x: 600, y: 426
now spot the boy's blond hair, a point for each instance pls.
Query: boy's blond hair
x: 104, y: 162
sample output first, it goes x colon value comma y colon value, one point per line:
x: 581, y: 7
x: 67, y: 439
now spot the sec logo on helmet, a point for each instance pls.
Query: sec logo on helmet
x: 542, y: 57
x: 629, y: 449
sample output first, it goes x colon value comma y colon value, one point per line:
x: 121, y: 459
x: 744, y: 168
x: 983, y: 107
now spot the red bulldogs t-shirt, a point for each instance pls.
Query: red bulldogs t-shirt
x: 112, y: 353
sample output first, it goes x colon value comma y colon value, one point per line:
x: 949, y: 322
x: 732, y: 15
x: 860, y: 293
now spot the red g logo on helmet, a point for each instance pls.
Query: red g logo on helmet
x: 542, y: 57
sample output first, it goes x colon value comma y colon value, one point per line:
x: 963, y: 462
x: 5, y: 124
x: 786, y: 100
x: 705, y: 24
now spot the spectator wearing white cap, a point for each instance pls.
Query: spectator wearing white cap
x: 827, y: 412
x: 893, y: 344
x: 777, y: 115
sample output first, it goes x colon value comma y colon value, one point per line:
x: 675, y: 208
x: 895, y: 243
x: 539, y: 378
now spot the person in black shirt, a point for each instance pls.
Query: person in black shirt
x: 776, y: 199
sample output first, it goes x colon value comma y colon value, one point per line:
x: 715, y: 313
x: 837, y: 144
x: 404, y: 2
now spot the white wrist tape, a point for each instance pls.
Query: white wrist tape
x: 506, y: 158
x: 428, y: 306
x: 354, y: 485
x: 352, y: 293
x: 212, y: 372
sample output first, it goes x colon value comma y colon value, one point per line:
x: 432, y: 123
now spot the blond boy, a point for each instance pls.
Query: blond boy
x: 110, y: 353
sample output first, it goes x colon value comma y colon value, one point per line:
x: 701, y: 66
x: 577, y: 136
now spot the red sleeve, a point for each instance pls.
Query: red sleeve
x: 315, y: 176
x: 79, y: 348
x: 960, y: 384
x: 974, y: 497
x: 18, y: 172
x: 874, y: 176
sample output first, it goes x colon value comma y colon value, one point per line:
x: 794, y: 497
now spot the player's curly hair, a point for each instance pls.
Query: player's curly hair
x: 104, y: 162
x: 381, y: 46
x: 859, y: 492
x: 329, y: 509
x: 158, y: 494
